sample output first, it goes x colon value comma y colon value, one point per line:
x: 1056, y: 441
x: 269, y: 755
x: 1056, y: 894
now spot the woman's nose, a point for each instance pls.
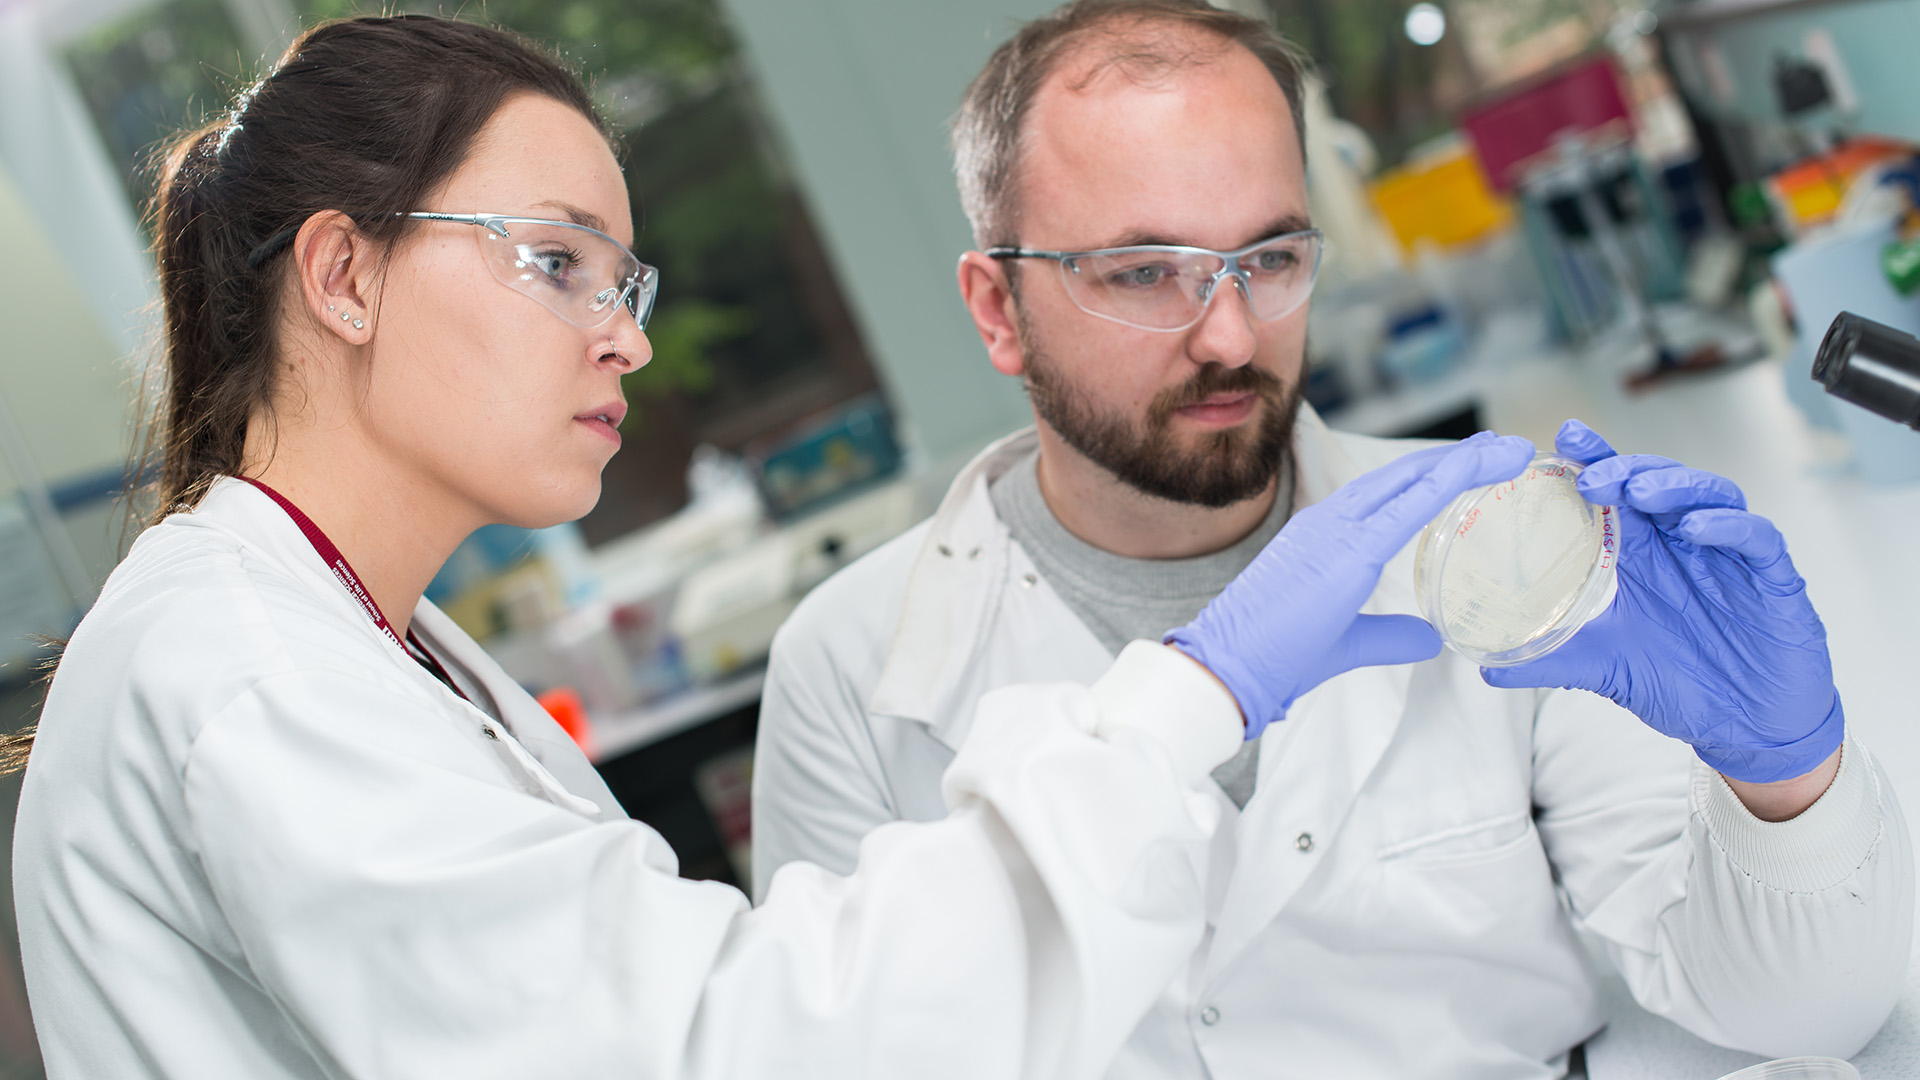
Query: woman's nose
x: 626, y: 346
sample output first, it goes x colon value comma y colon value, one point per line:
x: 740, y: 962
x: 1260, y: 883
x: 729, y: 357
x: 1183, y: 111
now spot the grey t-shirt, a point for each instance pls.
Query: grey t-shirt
x: 1122, y: 599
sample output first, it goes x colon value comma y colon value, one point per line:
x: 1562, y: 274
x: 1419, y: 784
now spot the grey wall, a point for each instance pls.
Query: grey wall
x: 1873, y: 38
x: 860, y: 92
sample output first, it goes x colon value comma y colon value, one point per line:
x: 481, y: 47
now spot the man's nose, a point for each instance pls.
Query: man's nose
x: 1224, y: 335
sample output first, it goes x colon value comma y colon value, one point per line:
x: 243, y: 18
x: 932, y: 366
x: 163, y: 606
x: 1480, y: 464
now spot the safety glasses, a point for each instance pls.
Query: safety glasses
x: 1166, y: 287
x: 580, y: 274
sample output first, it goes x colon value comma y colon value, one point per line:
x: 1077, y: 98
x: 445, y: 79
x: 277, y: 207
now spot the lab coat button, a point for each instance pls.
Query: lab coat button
x: 491, y: 734
x: 1029, y: 580
x: 1303, y: 843
x: 1209, y: 1016
x: 946, y: 551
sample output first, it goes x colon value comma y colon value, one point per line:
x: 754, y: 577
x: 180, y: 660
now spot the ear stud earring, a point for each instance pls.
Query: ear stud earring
x: 357, y: 324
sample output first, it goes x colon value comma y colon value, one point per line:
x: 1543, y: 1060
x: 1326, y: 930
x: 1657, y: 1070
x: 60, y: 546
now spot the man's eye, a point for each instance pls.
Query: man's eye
x: 1139, y: 277
x: 1276, y: 259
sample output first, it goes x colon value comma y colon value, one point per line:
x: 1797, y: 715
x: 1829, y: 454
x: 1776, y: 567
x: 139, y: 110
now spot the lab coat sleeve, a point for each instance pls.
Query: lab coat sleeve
x: 413, y: 918
x: 818, y: 784
x: 1780, y: 939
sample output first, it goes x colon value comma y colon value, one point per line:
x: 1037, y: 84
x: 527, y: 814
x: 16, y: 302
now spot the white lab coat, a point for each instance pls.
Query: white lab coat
x: 1389, y: 904
x: 256, y: 841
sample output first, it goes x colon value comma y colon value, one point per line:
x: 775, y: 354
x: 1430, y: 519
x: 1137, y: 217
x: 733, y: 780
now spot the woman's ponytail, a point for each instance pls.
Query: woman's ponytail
x: 219, y: 365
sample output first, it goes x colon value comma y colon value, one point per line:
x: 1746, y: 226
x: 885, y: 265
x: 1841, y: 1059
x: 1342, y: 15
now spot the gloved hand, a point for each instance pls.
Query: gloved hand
x: 1710, y: 639
x: 1292, y: 620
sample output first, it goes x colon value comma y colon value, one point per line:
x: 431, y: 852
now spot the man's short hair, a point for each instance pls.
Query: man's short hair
x: 989, y: 128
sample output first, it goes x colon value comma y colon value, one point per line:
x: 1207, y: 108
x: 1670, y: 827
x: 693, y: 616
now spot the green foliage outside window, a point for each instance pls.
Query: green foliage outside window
x: 665, y: 73
x: 650, y: 63
x: 152, y: 72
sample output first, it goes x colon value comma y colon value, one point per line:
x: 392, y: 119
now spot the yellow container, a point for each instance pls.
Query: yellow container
x: 1812, y: 191
x: 1442, y: 199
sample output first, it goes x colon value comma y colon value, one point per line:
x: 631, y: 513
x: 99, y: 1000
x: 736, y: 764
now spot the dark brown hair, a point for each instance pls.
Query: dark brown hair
x: 987, y: 130
x: 365, y: 116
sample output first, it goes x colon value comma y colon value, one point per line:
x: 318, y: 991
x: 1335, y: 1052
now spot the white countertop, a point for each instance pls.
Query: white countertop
x: 637, y: 728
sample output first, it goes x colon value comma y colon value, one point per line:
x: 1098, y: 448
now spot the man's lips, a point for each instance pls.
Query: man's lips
x: 1222, y: 410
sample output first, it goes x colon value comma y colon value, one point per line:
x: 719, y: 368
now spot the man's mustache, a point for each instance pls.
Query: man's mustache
x: 1219, y: 379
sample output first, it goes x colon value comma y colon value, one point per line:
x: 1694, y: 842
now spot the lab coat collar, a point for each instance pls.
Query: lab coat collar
x: 244, y: 511
x: 1321, y: 464
x: 249, y: 514
x: 953, y: 594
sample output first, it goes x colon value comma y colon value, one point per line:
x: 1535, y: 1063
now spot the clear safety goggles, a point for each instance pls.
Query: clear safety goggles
x: 580, y: 274
x: 1167, y: 287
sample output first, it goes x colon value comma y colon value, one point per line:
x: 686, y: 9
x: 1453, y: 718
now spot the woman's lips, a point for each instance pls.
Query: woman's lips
x: 605, y: 420
x: 600, y: 426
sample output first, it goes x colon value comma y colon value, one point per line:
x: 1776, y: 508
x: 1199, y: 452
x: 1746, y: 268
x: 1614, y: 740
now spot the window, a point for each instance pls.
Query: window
x: 152, y: 72
x: 751, y: 335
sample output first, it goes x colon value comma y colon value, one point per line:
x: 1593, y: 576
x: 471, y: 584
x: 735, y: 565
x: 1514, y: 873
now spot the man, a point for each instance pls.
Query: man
x: 1407, y: 852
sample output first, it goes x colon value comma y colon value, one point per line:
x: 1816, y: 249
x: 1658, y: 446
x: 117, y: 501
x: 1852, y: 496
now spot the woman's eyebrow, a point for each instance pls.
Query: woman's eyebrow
x: 577, y: 215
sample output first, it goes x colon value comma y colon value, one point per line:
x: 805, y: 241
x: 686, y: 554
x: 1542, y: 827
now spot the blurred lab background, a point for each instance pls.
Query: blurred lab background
x: 1645, y: 216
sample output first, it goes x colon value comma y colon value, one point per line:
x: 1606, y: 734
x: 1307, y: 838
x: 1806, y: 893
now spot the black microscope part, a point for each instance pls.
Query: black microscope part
x: 1873, y: 366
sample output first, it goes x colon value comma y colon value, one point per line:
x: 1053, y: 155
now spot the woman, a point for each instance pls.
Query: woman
x: 284, y: 820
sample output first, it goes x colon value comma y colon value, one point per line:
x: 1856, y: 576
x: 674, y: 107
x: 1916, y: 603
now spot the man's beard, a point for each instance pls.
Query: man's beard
x: 1225, y: 467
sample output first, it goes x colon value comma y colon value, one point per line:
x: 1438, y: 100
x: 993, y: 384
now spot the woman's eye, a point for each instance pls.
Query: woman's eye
x: 1275, y: 259
x: 557, y: 265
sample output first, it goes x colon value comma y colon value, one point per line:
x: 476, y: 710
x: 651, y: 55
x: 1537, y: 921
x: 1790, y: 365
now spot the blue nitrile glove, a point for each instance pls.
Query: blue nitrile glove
x: 1292, y: 620
x: 1710, y: 639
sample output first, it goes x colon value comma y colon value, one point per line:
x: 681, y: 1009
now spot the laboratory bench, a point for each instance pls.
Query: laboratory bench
x: 635, y: 730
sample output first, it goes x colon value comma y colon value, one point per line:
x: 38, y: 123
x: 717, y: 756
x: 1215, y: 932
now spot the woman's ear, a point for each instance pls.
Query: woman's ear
x: 337, y: 266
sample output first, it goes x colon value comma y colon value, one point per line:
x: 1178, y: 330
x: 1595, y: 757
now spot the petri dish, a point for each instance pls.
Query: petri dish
x: 1800, y: 1068
x: 1508, y: 573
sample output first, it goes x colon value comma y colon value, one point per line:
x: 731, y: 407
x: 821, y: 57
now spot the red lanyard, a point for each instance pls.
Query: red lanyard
x: 344, y: 571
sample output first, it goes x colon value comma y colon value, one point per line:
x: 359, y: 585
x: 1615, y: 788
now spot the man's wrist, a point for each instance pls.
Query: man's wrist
x: 1824, y: 845
x: 1783, y: 800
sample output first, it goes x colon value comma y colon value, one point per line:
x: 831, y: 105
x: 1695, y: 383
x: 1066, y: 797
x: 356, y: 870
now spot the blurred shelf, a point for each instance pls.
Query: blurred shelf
x: 639, y: 728
x: 1414, y: 406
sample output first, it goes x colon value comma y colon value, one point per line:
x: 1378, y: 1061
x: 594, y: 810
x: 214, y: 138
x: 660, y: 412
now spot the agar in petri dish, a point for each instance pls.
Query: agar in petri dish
x: 1800, y: 1068
x: 1508, y: 573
